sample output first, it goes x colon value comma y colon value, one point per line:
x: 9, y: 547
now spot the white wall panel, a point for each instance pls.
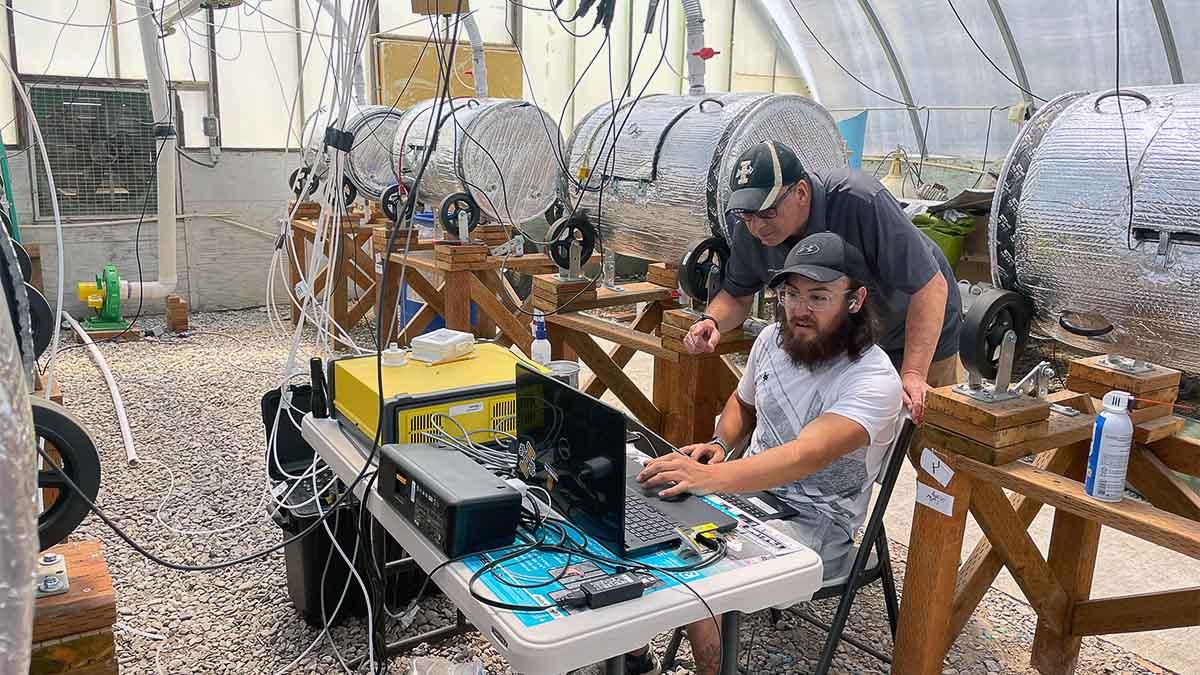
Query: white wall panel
x: 258, y: 87
x: 44, y: 47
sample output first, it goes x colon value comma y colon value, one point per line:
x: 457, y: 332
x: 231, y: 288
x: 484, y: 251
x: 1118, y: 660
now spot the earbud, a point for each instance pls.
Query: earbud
x: 853, y: 305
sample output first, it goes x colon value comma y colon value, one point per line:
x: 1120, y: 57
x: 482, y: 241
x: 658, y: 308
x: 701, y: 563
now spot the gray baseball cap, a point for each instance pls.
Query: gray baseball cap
x: 822, y: 257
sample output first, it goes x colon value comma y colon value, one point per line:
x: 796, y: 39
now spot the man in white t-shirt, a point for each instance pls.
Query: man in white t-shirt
x: 820, y: 403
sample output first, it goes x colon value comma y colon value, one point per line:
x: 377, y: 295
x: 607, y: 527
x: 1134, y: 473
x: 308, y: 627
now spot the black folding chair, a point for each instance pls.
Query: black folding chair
x: 869, y: 562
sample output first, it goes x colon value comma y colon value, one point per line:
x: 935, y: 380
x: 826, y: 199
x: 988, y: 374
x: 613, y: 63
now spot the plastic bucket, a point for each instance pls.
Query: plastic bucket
x: 566, y: 372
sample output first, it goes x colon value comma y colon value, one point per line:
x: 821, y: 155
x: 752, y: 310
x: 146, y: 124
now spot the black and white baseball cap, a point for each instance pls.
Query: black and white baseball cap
x: 761, y: 174
x: 822, y: 257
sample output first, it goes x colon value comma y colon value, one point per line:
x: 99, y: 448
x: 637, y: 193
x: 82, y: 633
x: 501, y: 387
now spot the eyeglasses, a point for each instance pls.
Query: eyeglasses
x: 768, y: 213
x: 816, y: 301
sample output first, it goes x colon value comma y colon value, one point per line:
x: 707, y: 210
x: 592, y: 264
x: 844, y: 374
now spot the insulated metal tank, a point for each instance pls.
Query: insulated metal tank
x: 1061, y: 232
x: 666, y: 181
x: 503, y: 152
x: 370, y: 166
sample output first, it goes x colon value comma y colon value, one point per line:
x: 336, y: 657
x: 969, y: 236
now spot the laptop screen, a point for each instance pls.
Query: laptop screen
x: 573, y: 446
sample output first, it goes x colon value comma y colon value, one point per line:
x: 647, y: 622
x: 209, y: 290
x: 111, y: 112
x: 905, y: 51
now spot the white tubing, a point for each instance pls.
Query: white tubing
x: 360, y: 87
x: 118, y: 404
x: 695, y: 42
x: 478, y: 64
x: 168, y: 161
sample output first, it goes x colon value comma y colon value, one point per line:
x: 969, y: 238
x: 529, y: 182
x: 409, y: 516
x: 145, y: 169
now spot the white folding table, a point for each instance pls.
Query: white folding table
x: 592, y: 636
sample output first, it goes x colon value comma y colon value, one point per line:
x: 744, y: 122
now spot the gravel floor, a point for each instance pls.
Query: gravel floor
x: 193, y: 405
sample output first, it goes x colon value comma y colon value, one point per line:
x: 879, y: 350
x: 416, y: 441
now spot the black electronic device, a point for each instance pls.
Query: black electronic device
x: 457, y: 504
x: 573, y: 445
x: 761, y: 505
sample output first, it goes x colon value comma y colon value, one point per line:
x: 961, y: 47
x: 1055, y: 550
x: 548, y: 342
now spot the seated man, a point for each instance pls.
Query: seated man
x: 820, y: 403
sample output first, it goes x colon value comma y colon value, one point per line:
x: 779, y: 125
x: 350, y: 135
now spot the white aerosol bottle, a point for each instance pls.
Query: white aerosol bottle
x: 1112, y: 437
x: 540, y: 349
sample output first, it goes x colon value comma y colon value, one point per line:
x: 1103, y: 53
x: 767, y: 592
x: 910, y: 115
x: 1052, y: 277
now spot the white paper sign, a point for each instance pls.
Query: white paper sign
x: 935, y: 499
x: 935, y: 467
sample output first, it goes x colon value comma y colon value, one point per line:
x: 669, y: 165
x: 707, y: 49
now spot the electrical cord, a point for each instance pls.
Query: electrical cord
x: 1124, y: 131
x: 997, y: 68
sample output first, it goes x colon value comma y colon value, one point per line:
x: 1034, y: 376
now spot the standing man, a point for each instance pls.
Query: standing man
x: 775, y: 202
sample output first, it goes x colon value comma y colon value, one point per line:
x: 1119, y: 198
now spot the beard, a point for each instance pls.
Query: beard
x: 817, y: 351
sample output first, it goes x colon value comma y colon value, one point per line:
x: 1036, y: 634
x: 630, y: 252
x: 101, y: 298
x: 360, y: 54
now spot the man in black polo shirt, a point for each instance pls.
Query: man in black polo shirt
x: 775, y: 203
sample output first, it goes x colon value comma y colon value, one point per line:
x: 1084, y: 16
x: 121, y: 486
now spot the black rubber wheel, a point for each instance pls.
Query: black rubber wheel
x: 391, y: 201
x: 23, y: 260
x: 6, y: 220
x: 697, y: 264
x: 451, y: 206
x: 41, y: 319
x: 991, y: 316
x: 78, y: 460
x: 299, y: 179
x: 576, y: 228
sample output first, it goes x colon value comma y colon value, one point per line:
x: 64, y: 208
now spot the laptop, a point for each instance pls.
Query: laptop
x: 574, y: 446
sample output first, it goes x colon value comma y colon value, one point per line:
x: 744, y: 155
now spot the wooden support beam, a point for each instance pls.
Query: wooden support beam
x: 1159, y: 484
x: 416, y: 324
x: 424, y: 288
x: 645, y: 322
x: 1074, y: 542
x: 1135, y: 613
x: 1140, y: 520
x: 1180, y: 454
x: 485, y: 299
x: 620, y: 384
x: 614, y: 333
x: 456, y: 294
x: 925, y: 611
x: 979, y: 570
x: 1012, y: 412
x: 361, y: 306
x: 1009, y: 538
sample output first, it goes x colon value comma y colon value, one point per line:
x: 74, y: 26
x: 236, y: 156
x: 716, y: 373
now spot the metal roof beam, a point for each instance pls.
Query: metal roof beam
x: 894, y: 62
x: 1014, y: 54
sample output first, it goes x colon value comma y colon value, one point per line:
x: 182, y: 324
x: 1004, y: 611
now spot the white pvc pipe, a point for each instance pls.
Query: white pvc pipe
x: 478, y: 63
x: 168, y: 160
x: 695, y: 42
x: 342, y: 31
x: 126, y: 434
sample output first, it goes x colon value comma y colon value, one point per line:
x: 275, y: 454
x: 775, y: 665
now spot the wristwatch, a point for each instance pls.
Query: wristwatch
x: 704, y: 317
x: 716, y: 440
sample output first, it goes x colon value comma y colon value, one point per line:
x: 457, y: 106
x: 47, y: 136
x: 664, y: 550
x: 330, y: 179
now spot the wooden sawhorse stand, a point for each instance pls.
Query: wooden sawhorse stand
x: 462, y: 274
x: 980, y: 443
x: 352, y: 264
x: 688, y: 392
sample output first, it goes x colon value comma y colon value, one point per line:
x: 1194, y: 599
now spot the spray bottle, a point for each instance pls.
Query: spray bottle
x: 540, y: 349
x: 1112, y: 437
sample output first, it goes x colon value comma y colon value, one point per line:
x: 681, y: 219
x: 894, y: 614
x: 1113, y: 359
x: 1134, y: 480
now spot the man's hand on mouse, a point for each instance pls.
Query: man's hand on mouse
x: 688, y: 475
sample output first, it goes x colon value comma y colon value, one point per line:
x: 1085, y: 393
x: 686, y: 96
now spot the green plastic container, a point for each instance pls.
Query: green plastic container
x: 951, y: 244
x: 949, y: 236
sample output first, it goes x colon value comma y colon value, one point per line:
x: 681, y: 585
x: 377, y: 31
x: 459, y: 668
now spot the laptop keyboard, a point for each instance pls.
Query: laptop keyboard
x: 643, y: 521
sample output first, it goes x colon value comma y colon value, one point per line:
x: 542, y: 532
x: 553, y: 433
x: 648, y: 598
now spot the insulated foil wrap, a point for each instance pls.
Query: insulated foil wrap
x: 312, y: 137
x: 372, y: 168
x: 665, y: 183
x: 503, y: 152
x: 18, y: 521
x: 1060, y: 228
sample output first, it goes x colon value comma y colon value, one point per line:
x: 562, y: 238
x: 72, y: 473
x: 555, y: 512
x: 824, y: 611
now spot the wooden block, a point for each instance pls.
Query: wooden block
x: 1094, y: 369
x: 1141, y: 415
x: 1157, y: 429
x: 90, y: 605
x: 92, y: 653
x: 40, y: 386
x: 304, y: 210
x: 1062, y: 431
x: 1098, y: 390
x: 1179, y: 453
x: 997, y: 439
x: 660, y: 274
x: 552, y: 286
x: 680, y: 318
x: 991, y: 416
